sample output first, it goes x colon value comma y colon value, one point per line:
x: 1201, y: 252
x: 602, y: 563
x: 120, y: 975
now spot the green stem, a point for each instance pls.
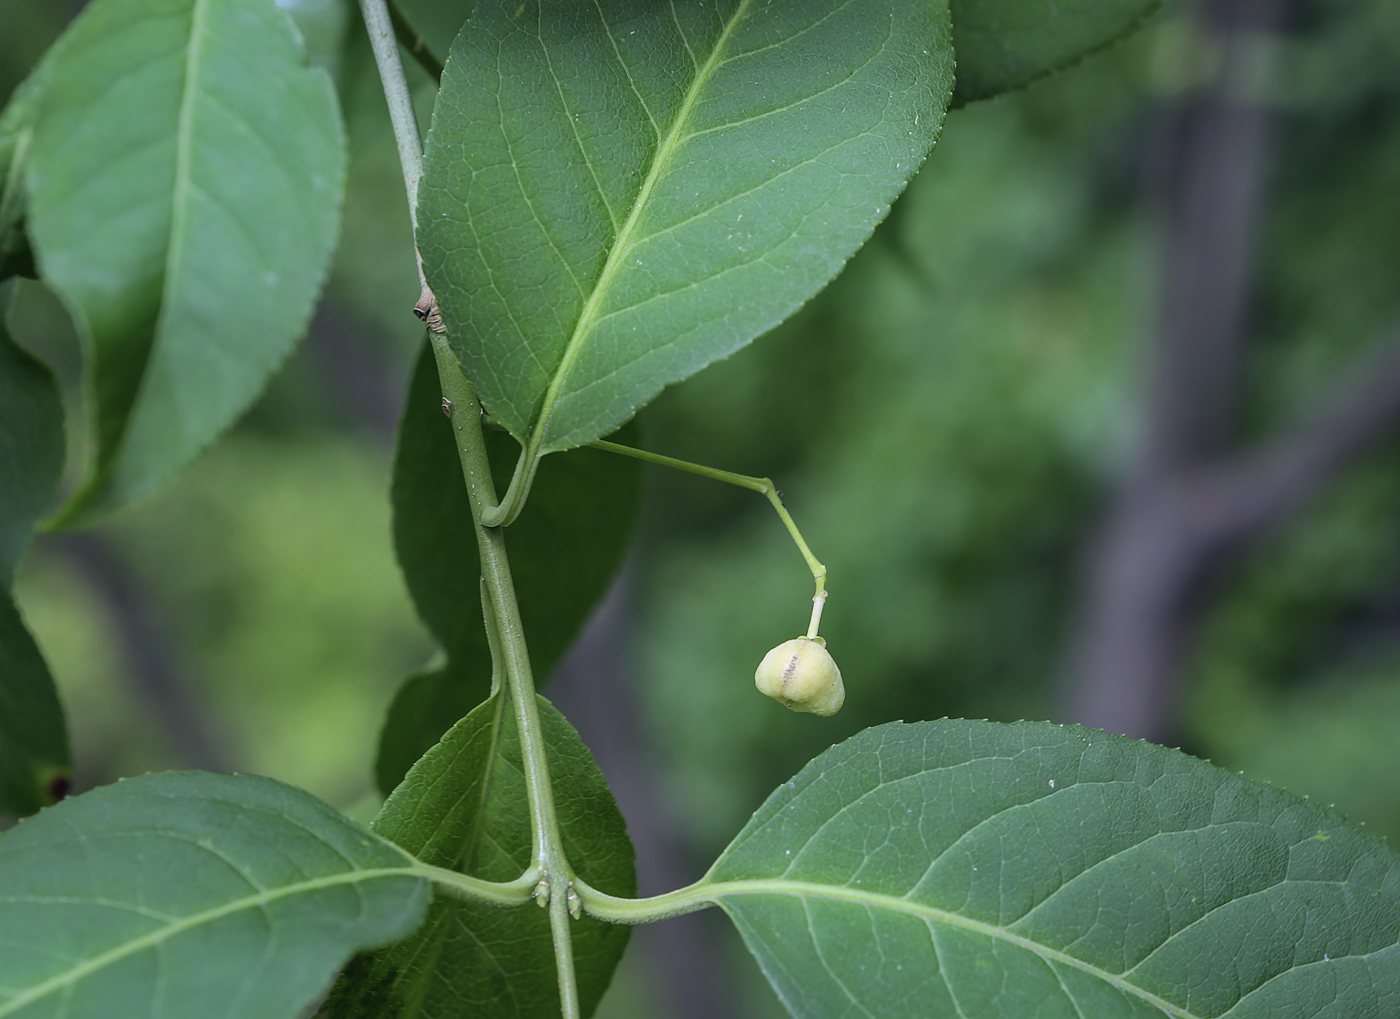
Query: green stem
x: 550, y: 872
x: 385, y: 46
x: 700, y: 895
x: 493, y: 893
x: 550, y: 861
x: 493, y: 639
x: 764, y: 486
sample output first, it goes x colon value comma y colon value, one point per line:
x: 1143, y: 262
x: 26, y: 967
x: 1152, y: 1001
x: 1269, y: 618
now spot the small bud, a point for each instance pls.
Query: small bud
x: 803, y: 676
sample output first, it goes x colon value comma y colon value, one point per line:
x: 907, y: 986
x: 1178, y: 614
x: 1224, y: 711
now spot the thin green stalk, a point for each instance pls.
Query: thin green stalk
x: 474, y: 889
x: 555, y: 874
x: 764, y: 486
x: 550, y: 872
x: 615, y: 909
x: 493, y: 640
x: 385, y: 45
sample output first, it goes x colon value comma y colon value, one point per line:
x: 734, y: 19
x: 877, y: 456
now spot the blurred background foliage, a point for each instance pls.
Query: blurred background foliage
x: 949, y: 422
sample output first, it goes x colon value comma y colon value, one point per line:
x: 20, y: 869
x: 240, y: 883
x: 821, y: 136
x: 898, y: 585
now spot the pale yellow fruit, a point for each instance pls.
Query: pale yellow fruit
x: 802, y: 675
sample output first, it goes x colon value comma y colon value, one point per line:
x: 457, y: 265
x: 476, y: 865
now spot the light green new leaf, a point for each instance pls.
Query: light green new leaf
x: 617, y: 194
x: 191, y: 895
x: 1004, y: 44
x: 34, y: 754
x: 463, y: 806
x: 973, y: 869
x: 581, y: 511
x: 184, y: 184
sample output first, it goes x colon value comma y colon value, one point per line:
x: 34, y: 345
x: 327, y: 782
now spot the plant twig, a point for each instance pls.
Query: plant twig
x: 555, y: 873
x: 550, y: 871
x: 409, y: 139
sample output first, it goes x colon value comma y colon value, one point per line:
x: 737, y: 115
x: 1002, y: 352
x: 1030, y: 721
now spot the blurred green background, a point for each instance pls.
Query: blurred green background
x: 949, y: 423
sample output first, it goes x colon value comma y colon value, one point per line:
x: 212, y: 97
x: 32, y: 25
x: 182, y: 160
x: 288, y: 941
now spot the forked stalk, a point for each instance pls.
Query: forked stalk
x: 763, y: 486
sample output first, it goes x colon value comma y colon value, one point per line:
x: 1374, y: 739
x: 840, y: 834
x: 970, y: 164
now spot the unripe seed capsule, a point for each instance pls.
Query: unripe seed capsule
x: 802, y: 675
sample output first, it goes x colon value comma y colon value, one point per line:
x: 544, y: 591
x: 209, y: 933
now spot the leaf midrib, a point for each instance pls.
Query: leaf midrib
x: 719, y: 891
x: 179, y: 206
x: 421, y: 970
x: 622, y: 245
x: 155, y: 937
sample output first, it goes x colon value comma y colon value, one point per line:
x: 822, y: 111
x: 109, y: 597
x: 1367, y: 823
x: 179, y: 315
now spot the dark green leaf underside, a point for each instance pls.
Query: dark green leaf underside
x: 970, y: 868
x: 580, y: 511
x: 618, y: 194
x: 184, y: 185
x: 464, y: 806
x: 31, y: 444
x: 34, y: 754
x: 191, y: 895
x: 1005, y: 44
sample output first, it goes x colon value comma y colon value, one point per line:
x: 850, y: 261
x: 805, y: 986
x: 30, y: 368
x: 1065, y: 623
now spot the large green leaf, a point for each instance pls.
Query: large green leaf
x: 35, y: 762
x: 973, y: 869
x: 31, y: 444
x: 16, y: 135
x: 34, y: 754
x: 184, y: 183
x: 464, y: 806
x: 1004, y: 44
x: 580, y: 513
x: 617, y: 194
x: 191, y: 895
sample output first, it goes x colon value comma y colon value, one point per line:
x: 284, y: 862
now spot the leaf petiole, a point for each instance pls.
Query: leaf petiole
x: 765, y: 487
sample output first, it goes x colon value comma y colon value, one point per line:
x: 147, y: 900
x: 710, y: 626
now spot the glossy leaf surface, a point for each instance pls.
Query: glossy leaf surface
x: 192, y: 895
x: 580, y: 512
x: 464, y: 806
x: 184, y: 183
x: 617, y: 194
x: 975, y: 869
x: 1005, y: 44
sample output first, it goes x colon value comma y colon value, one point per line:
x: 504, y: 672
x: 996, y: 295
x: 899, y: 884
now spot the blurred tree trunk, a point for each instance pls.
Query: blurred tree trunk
x: 1190, y: 504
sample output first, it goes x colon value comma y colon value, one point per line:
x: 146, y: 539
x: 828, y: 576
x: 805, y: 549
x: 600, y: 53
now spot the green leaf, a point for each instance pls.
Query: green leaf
x: 31, y: 444
x: 580, y: 511
x: 191, y: 895
x: 1005, y: 44
x: 617, y: 194
x: 975, y: 869
x: 184, y: 186
x: 16, y: 136
x: 464, y: 806
x: 35, y: 763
